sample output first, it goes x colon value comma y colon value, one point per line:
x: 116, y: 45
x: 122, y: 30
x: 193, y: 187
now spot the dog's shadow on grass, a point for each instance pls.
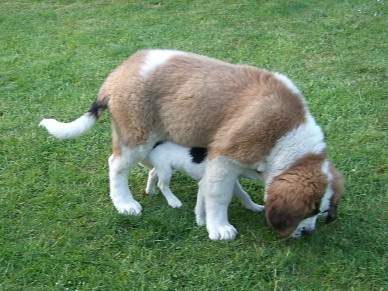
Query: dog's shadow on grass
x: 159, y: 223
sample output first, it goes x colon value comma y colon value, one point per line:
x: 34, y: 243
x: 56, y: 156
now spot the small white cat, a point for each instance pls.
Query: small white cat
x: 166, y: 158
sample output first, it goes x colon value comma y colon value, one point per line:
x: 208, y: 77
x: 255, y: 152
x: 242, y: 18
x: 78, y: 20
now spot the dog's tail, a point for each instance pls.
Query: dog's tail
x: 79, y: 126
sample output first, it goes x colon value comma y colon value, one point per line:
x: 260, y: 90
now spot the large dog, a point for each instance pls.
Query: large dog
x: 246, y: 117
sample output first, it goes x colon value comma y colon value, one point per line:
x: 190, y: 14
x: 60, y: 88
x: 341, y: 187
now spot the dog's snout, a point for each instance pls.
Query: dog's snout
x: 307, y: 231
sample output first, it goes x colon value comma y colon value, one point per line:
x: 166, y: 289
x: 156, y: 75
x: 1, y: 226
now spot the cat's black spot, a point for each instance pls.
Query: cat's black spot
x: 198, y: 155
x: 159, y: 143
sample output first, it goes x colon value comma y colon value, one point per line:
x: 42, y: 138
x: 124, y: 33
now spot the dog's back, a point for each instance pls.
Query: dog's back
x: 197, y: 101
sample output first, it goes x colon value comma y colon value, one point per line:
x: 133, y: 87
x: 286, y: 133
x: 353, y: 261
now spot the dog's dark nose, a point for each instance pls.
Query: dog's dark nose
x: 307, y: 231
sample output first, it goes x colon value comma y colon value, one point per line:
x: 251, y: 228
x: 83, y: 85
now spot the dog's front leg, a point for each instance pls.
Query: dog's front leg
x: 200, y: 212
x: 217, y: 187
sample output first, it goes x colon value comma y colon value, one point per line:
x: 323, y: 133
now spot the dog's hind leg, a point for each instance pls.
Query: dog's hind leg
x: 246, y: 199
x: 120, y: 162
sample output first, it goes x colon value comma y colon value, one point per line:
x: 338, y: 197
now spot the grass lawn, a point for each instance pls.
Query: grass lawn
x: 58, y: 227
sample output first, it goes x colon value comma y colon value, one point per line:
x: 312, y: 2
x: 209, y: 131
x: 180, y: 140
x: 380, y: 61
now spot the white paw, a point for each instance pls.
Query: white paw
x: 150, y: 191
x: 200, y: 219
x: 225, y: 232
x: 255, y: 207
x: 174, y: 202
x: 133, y: 208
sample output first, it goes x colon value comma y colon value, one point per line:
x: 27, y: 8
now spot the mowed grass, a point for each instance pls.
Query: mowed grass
x: 58, y: 227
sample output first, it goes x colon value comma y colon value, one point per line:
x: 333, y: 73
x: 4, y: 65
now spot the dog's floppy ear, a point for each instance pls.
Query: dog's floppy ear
x: 293, y: 195
x: 279, y: 217
x: 284, y: 205
x: 338, y: 187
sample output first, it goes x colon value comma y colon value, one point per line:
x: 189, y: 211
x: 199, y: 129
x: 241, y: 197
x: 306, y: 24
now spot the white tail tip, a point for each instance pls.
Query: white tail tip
x: 69, y: 130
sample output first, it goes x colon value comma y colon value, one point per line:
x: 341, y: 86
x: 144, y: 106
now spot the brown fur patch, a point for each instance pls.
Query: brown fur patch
x: 295, y: 194
x: 271, y: 114
x: 194, y: 100
x: 132, y: 118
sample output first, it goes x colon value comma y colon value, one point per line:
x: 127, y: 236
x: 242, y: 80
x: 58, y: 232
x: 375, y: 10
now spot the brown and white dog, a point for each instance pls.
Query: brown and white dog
x: 248, y: 118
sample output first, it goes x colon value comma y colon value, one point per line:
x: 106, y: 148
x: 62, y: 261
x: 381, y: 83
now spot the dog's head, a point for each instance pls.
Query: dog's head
x: 310, y: 188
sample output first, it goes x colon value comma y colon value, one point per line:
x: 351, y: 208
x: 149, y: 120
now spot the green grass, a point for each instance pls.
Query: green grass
x: 58, y: 228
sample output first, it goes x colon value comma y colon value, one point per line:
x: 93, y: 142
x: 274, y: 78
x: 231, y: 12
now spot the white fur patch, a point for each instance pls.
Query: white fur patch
x: 325, y: 203
x: 306, y: 138
x: 307, y: 225
x: 155, y: 58
x: 71, y: 129
x: 290, y: 85
x: 119, y: 192
x: 119, y: 167
x: 217, y: 188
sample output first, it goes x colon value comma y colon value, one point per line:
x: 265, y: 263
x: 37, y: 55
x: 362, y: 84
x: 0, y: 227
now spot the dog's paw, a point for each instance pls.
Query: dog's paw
x: 150, y: 191
x: 200, y: 219
x: 200, y: 215
x: 133, y: 208
x: 255, y: 207
x: 174, y: 202
x: 225, y: 232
